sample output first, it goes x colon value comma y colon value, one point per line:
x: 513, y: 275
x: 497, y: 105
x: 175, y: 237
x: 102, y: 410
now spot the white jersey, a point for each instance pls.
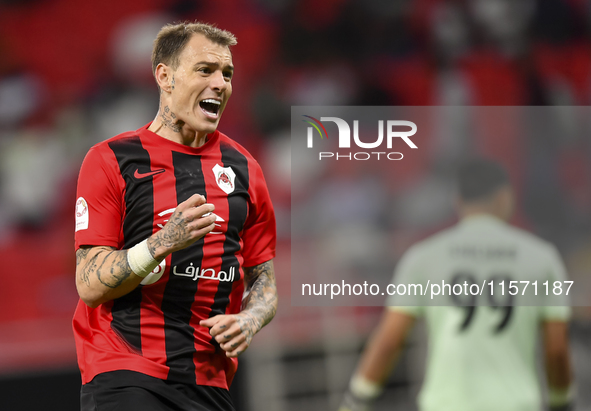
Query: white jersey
x: 482, y: 357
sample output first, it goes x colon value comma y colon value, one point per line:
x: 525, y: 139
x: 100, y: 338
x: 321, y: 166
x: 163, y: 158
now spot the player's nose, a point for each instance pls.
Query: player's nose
x: 218, y: 82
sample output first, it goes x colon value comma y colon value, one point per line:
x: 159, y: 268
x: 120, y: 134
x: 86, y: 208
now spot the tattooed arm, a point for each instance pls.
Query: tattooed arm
x: 261, y: 302
x: 103, y: 273
x: 234, y: 332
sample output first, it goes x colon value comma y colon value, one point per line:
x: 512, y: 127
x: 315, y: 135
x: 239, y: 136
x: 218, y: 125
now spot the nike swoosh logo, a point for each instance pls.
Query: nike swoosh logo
x: 139, y: 175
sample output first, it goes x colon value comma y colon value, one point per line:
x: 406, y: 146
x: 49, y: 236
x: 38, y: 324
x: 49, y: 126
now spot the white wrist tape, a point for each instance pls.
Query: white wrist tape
x: 557, y: 397
x: 140, y: 259
x: 364, y: 389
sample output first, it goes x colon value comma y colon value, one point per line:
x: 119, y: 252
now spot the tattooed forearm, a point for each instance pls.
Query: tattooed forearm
x: 169, y: 120
x: 103, y: 274
x: 108, y: 265
x: 114, y: 269
x: 235, y: 332
x: 81, y: 255
x: 261, y: 302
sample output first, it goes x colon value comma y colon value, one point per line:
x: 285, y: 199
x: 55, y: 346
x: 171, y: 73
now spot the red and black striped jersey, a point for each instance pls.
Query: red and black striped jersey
x: 128, y: 187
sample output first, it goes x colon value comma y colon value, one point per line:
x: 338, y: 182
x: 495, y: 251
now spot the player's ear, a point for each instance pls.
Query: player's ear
x: 163, y: 75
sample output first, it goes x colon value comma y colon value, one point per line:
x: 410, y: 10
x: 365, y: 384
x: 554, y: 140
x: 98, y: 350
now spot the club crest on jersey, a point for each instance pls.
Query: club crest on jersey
x: 225, y: 177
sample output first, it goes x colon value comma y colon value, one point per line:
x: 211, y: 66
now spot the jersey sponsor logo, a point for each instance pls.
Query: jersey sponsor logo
x: 139, y: 175
x: 225, y: 177
x: 81, y: 214
x: 155, y: 275
x: 171, y: 210
x: 206, y: 273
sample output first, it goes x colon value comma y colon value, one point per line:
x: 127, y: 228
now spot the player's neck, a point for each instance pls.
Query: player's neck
x: 177, y: 131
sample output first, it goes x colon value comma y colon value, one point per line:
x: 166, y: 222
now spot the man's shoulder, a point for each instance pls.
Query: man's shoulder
x: 504, y: 232
x: 102, y: 145
x: 526, y: 238
x: 100, y: 149
x: 227, y: 142
x: 423, y: 251
x: 101, y: 153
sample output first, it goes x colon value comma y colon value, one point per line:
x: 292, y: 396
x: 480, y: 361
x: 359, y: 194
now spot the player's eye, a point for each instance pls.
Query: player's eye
x: 228, y: 75
x: 204, y: 70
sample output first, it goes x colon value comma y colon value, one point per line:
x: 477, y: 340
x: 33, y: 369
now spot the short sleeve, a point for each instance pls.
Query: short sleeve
x: 407, y: 271
x: 99, y: 209
x: 557, y: 307
x: 259, y: 235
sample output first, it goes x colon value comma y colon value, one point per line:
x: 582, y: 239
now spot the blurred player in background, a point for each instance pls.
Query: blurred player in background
x: 480, y: 357
x: 173, y: 222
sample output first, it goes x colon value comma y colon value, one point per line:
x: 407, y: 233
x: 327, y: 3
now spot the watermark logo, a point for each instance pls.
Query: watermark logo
x: 388, y: 130
x: 311, y: 131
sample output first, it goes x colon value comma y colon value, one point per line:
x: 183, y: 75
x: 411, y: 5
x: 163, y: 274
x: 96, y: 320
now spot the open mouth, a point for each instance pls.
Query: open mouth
x: 210, y: 107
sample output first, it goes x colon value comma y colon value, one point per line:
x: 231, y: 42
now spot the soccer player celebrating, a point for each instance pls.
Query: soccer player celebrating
x: 481, y: 357
x: 173, y: 224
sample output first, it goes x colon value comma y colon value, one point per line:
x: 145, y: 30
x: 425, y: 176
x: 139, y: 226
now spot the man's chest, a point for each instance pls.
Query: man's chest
x: 153, y: 191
